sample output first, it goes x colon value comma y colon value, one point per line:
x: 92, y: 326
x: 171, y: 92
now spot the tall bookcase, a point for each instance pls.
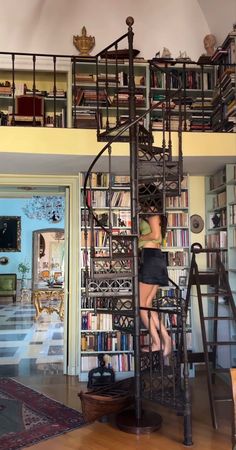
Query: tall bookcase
x: 96, y: 334
x: 177, y: 245
x: 221, y: 233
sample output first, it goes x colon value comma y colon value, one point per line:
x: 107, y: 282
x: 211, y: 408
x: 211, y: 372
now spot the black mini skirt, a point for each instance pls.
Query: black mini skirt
x: 152, y: 267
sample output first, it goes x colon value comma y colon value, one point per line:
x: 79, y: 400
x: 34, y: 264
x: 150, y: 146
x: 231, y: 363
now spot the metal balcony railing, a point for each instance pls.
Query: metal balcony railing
x: 72, y: 92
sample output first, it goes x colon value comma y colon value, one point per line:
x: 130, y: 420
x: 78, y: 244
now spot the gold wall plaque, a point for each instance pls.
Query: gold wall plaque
x: 84, y: 43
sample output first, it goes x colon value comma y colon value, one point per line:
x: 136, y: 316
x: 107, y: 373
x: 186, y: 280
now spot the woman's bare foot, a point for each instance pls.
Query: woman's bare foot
x: 152, y: 348
x: 167, y: 346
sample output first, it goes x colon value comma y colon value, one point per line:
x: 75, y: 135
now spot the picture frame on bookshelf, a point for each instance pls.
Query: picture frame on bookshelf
x: 182, y: 281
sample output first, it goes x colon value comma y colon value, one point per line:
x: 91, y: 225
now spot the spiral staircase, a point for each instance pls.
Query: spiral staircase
x: 114, y: 278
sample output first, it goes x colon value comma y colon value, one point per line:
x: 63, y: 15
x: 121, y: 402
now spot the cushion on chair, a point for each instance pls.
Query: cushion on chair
x: 6, y: 284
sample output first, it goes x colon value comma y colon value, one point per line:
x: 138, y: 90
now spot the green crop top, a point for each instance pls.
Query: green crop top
x: 145, y: 228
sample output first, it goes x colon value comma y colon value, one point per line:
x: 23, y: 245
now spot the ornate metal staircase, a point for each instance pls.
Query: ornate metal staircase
x: 114, y: 278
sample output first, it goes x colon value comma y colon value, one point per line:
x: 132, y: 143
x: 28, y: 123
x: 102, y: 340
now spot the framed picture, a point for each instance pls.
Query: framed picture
x: 10, y: 234
x: 182, y: 281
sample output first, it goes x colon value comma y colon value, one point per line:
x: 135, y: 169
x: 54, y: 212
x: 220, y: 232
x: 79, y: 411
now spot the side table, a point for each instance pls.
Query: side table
x: 50, y: 300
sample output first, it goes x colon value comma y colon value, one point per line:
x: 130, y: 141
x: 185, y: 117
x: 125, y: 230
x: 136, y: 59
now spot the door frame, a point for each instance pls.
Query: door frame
x: 71, y: 322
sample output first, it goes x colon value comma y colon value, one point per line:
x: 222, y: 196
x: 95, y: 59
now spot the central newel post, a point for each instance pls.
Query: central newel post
x: 138, y: 420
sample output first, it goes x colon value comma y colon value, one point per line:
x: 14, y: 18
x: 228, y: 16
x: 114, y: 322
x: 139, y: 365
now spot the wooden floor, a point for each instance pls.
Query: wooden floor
x: 105, y: 436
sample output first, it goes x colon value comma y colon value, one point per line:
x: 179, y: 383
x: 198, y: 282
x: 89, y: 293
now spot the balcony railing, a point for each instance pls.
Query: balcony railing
x: 71, y: 92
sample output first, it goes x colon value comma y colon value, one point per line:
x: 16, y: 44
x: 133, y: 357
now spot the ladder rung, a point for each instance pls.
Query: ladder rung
x: 221, y: 342
x: 218, y: 318
x: 219, y: 370
x: 215, y: 294
x: 223, y: 399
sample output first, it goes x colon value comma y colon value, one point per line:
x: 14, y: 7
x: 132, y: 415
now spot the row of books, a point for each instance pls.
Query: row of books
x: 232, y: 214
x: 190, y: 79
x: 218, y: 179
x: 91, y: 303
x: 219, y: 200
x: 177, y: 238
x: 119, y: 218
x: 120, y: 363
x: 101, y: 179
x: 178, y: 202
x: 177, y: 219
x: 211, y: 259
x: 99, y: 199
x: 178, y: 258
x: 91, y: 321
x: 179, y: 276
x: 217, y: 240
x: 106, y: 341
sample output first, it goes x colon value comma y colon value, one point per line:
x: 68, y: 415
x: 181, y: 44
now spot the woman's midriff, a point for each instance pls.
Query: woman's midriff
x: 150, y: 244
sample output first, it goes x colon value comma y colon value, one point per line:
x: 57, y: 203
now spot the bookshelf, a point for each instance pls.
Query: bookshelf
x: 224, y: 97
x: 176, y: 247
x: 110, y: 81
x: 221, y: 233
x: 96, y: 333
x: 197, y: 83
x: 43, y: 86
x: 216, y: 216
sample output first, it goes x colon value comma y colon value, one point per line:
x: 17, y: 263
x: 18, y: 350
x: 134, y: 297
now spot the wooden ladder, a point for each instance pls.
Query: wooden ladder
x: 217, y: 280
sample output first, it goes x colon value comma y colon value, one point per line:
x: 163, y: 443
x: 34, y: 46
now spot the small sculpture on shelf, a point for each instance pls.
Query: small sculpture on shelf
x: 209, y: 44
x: 84, y: 43
x: 183, y: 56
x: 166, y: 53
x: 216, y: 220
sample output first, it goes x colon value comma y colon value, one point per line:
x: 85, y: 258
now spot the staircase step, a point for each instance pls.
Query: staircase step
x: 153, y: 150
x: 112, y: 275
x: 110, y: 287
x: 108, y: 294
x: 114, y: 257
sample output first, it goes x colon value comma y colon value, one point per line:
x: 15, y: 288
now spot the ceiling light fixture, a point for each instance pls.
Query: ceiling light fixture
x: 51, y: 208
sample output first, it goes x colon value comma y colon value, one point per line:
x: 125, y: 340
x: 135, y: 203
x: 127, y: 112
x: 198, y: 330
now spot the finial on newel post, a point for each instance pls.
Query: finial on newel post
x: 130, y: 22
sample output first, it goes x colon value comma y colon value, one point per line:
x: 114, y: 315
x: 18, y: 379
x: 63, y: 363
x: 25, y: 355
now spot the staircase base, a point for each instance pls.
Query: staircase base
x: 148, y: 423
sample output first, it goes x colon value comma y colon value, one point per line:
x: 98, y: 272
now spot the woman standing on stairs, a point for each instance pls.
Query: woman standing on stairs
x: 153, y: 269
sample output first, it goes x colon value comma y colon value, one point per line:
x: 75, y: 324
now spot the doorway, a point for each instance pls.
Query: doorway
x: 48, y: 258
x: 10, y: 186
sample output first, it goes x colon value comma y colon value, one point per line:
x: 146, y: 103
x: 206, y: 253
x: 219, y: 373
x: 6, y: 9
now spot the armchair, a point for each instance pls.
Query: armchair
x: 8, y: 283
x: 29, y: 111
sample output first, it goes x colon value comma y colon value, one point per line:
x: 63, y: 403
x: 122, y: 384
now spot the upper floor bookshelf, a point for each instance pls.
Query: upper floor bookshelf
x: 94, y: 93
x: 224, y: 96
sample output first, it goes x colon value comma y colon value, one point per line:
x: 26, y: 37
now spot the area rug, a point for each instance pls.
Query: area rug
x: 28, y: 417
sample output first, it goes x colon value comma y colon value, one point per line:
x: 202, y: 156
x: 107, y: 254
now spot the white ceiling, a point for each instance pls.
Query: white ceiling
x: 15, y: 163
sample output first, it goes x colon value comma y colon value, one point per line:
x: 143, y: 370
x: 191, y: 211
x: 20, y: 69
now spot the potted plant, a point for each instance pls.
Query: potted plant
x: 23, y: 268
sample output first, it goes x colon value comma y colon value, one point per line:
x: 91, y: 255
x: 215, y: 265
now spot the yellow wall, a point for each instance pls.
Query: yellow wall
x: 84, y: 142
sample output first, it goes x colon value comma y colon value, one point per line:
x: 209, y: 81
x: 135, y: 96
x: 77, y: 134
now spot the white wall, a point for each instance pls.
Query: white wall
x: 48, y: 26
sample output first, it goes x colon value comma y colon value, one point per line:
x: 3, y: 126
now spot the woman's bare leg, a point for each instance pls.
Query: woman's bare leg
x: 163, y: 333
x: 144, y: 293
